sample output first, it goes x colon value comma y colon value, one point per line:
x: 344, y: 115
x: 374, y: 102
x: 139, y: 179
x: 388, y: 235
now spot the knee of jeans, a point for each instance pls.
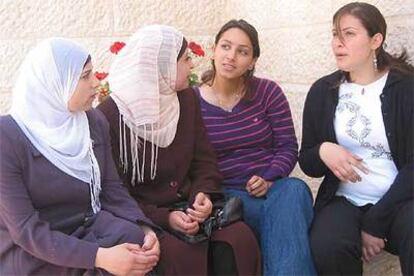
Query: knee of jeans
x: 294, y: 189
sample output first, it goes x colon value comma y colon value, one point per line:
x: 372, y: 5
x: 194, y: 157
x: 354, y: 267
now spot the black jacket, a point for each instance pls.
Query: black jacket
x: 397, y: 105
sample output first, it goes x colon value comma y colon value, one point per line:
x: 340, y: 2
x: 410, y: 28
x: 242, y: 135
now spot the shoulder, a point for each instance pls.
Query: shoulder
x: 403, y: 82
x: 188, y: 98
x: 320, y: 87
x: 187, y: 94
x: 264, y: 85
x: 109, y: 109
x: 328, y: 81
x: 12, y: 137
x: 98, y: 124
x: 9, y: 129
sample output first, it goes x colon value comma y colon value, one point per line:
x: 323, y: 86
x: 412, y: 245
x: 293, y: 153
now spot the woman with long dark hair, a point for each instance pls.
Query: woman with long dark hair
x: 358, y: 134
x: 249, y: 124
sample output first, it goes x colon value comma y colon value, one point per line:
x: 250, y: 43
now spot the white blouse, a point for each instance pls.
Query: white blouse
x: 359, y: 127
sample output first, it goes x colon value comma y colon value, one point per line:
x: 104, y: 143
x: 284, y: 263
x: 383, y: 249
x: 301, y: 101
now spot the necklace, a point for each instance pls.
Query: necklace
x: 232, y: 101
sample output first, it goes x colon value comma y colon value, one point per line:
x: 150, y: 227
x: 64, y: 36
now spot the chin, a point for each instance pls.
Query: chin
x: 343, y: 67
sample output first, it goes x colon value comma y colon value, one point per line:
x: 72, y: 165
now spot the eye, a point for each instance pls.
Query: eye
x: 334, y: 34
x: 349, y: 33
x: 86, y: 76
x: 225, y: 46
x: 244, y: 52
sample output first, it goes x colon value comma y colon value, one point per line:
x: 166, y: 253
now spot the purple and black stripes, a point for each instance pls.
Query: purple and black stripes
x: 256, y: 138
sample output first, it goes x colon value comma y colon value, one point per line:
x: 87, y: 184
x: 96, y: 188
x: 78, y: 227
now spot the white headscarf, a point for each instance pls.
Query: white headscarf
x: 47, y: 79
x: 142, y: 80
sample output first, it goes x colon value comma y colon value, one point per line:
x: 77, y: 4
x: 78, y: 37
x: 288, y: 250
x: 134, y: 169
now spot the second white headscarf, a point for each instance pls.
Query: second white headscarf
x: 142, y: 80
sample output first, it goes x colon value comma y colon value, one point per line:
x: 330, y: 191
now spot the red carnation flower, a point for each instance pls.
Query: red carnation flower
x: 196, y: 49
x: 116, y: 47
x: 101, y: 75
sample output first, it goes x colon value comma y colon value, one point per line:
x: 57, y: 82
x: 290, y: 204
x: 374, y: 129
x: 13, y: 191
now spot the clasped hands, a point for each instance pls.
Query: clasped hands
x: 188, y: 222
x: 128, y: 258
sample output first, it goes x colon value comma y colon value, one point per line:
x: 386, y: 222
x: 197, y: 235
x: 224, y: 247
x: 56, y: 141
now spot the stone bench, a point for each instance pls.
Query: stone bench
x: 383, y: 265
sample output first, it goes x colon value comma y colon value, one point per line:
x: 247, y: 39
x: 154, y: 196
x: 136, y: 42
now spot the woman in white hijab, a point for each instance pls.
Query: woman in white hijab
x: 63, y: 209
x: 160, y: 146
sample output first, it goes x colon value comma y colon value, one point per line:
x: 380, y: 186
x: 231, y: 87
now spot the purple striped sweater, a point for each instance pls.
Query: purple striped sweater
x: 256, y: 138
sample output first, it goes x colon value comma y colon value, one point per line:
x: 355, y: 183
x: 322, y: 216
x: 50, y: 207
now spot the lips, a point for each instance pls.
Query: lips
x: 228, y: 67
x: 340, y: 55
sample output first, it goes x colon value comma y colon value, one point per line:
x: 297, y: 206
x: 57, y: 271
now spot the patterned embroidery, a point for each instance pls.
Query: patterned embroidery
x: 345, y: 103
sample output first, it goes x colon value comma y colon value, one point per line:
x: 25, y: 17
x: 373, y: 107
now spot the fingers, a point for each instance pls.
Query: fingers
x: 132, y: 246
x: 365, y: 256
x: 197, y: 215
x: 149, y: 241
x: 348, y: 173
x: 369, y: 252
x: 252, y: 180
x: 362, y: 167
x: 257, y: 188
x: 186, y: 224
x: 144, y: 262
x: 205, y: 207
x: 343, y: 163
x: 199, y: 199
x: 371, y: 246
x: 260, y: 190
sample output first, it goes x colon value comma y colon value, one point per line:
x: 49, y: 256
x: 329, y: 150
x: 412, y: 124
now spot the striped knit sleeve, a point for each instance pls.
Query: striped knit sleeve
x: 285, y: 146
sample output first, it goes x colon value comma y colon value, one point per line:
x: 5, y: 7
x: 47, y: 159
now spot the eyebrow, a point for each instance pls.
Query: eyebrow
x: 241, y: 45
x: 345, y: 29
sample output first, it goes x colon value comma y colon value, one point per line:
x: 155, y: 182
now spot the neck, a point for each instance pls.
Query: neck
x: 227, y: 87
x: 365, y: 76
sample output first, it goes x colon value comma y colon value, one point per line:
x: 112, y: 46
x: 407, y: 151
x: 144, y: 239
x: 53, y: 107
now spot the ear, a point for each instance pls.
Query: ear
x: 376, y: 41
x: 251, y: 66
x: 213, y: 50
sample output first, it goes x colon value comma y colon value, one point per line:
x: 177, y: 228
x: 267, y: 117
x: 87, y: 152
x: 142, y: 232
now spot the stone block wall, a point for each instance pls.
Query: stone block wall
x: 294, y: 36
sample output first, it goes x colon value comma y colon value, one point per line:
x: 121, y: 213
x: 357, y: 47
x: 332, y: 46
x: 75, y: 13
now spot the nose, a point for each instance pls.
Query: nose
x: 336, y: 42
x: 231, y: 54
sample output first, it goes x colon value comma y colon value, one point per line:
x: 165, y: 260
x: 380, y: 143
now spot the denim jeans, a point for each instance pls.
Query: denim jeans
x: 281, y: 222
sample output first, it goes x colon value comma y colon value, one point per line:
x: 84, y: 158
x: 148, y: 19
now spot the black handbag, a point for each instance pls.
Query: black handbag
x: 225, y: 212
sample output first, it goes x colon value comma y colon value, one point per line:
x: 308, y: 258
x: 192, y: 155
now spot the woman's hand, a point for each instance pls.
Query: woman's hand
x: 151, y: 246
x: 371, y: 246
x: 182, y: 222
x: 202, y: 208
x: 257, y: 186
x: 342, y: 162
x: 125, y: 259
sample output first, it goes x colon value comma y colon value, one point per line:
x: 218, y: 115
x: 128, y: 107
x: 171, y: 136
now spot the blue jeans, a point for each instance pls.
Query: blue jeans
x: 281, y: 222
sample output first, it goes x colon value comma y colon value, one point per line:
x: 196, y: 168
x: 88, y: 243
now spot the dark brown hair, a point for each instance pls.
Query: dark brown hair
x: 88, y: 59
x: 208, y: 76
x: 374, y: 22
x: 182, y: 50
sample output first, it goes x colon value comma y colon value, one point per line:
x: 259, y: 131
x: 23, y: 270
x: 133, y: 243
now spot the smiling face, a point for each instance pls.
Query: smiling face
x: 233, y: 54
x: 85, y: 91
x: 352, y: 46
x: 184, y: 66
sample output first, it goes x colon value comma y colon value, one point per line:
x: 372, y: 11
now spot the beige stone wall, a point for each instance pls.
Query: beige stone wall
x: 294, y: 34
